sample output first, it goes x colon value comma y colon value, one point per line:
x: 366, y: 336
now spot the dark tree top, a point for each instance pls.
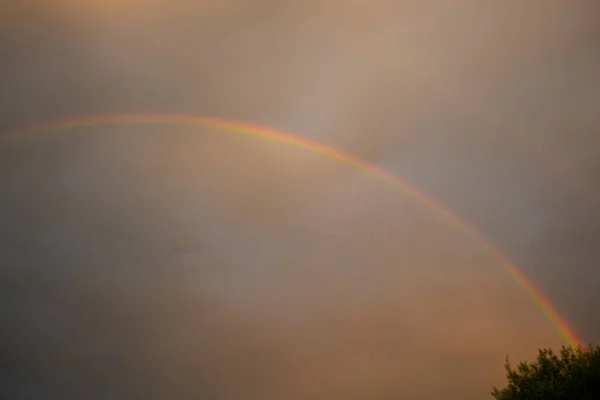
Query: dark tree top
x: 574, y: 374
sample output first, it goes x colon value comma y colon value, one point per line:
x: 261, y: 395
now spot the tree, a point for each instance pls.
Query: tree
x: 572, y: 375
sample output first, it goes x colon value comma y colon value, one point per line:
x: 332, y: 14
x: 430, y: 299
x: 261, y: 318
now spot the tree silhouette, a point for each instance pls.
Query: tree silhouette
x: 574, y: 374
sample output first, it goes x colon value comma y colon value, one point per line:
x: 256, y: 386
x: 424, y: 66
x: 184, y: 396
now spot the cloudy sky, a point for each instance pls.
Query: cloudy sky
x: 177, y: 262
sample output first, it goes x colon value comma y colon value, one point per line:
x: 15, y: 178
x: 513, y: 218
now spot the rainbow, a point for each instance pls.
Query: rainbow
x: 564, y: 330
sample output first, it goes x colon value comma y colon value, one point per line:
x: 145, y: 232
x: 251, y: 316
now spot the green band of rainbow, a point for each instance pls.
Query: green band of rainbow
x: 561, y: 326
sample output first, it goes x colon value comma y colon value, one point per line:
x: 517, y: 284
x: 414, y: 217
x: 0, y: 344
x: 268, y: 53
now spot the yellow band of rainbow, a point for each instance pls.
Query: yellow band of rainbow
x: 564, y: 330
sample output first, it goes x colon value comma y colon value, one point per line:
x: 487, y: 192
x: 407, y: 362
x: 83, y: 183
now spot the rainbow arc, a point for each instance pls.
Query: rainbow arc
x: 566, y: 332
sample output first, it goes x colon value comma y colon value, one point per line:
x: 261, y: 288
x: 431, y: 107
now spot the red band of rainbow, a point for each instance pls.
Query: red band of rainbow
x: 564, y: 330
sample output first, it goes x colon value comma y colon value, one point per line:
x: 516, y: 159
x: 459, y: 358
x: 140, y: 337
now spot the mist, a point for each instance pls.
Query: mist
x: 148, y: 261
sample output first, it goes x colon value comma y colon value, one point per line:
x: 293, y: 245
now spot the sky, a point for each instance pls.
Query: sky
x: 149, y: 261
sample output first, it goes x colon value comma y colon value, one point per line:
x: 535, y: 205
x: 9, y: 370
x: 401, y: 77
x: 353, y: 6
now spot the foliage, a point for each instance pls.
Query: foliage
x: 572, y: 375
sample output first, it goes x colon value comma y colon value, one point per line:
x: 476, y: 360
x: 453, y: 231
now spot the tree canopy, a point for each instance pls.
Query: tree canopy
x: 574, y: 374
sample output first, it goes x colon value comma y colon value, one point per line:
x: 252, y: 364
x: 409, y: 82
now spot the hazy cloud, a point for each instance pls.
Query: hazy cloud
x: 175, y: 262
